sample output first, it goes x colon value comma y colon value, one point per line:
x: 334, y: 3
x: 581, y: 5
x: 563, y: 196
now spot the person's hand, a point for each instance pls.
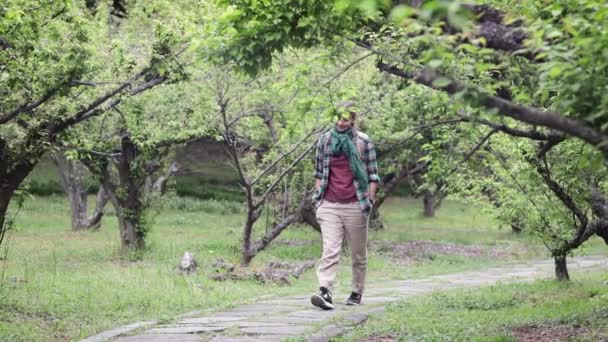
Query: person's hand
x: 372, y: 197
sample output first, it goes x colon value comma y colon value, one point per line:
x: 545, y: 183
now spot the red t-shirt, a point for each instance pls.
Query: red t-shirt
x: 340, y: 188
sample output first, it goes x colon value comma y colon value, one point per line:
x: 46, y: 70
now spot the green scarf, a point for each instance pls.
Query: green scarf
x: 342, y: 142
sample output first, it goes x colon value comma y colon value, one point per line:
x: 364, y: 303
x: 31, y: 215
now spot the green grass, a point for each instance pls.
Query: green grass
x: 61, y: 285
x: 492, y: 313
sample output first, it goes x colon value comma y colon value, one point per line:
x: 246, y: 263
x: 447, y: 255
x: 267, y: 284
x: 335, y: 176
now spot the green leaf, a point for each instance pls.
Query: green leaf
x: 442, y: 82
x: 401, y: 12
x: 435, y: 63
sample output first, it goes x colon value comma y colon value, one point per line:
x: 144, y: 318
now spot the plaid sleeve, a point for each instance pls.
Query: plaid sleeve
x: 319, y: 160
x: 371, y: 162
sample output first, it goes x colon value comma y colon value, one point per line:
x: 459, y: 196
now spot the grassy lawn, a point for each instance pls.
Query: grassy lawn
x: 545, y: 310
x: 61, y: 285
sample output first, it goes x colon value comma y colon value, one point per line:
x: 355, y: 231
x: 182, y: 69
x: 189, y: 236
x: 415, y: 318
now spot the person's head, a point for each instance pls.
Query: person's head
x: 346, y: 115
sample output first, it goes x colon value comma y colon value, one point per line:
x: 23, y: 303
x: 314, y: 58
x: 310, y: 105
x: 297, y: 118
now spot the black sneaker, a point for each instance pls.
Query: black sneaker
x: 354, y: 299
x: 322, y: 299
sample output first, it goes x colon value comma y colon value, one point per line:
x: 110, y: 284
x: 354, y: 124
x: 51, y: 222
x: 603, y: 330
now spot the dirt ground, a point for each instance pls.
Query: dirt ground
x: 528, y: 333
x: 412, y: 252
x: 554, y: 333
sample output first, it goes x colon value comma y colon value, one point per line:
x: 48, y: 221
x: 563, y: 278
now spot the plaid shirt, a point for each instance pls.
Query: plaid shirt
x: 367, y: 153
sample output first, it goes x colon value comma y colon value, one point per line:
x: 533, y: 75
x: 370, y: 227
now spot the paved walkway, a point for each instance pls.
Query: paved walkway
x: 293, y: 317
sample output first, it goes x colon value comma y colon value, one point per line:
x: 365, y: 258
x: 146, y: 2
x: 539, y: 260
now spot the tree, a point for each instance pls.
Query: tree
x: 549, y: 187
x: 48, y: 64
x: 267, y: 144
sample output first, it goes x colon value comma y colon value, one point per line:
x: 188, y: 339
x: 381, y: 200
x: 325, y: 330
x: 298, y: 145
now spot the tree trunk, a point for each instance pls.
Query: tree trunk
x: 71, y: 173
x: 561, y: 267
x: 308, y: 214
x: 9, y: 183
x: 5, y: 199
x: 429, y: 204
x: 274, y: 232
x: 124, y: 194
x: 390, y: 185
x: 516, y: 227
x: 128, y: 213
x: 129, y: 224
x: 132, y: 232
x: 94, y: 221
x: 246, y: 255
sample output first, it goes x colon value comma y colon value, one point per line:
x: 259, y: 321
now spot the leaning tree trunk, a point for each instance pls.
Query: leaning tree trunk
x: 9, y: 183
x: 561, y: 267
x: 5, y: 199
x: 94, y: 221
x: 246, y: 252
x: 308, y: 215
x: 390, y: 185
x: 71, y: 173
x: 251, y: 249
x: 517, y: 226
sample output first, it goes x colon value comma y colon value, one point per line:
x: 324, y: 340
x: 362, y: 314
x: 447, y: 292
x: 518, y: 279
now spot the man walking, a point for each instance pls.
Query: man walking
x: 346, y: 173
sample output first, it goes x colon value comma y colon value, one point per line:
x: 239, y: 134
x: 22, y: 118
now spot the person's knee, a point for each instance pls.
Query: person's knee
x: 360, y: 262
x: 331, y: 254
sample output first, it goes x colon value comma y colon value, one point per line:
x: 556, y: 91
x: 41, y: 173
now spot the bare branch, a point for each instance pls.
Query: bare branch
x: 275, y: 231
x: 92, y: 110
x: 283, y: 174
x: 472, y: 151
x: 505, y: 167
x: 545, y: 173
x: 418, y: 130
x: 282, y: 156
x: 252, y: 112
x: 232, y: 150
x: 27, y: 107
x: 99, y: 110
x: 532, y: 134
x: 356, y: 61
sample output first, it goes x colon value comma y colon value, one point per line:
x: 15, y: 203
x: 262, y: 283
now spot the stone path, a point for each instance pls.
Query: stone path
x: 294, y: 317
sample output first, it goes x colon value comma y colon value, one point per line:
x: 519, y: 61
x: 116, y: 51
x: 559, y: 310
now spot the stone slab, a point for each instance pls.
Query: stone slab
x: 260, y: 308
x: 283, y: 331
x: 235, y: 313
x: 292, y: 320
x: 260, y: 338
x: 245, y: 324
x: 184, y: 329
x: 326, y: 333
x: 313, y: 313
x: 209, y: 319
x: 289, y: 304
x: 106, y: 335
x: 358, y: 318
x: 160, y: 338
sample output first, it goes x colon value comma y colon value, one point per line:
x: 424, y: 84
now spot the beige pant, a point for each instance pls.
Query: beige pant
x: 339, y: 220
